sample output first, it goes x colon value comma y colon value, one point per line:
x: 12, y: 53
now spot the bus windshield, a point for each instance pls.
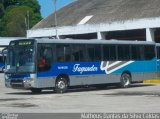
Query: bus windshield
x: 20, y: 59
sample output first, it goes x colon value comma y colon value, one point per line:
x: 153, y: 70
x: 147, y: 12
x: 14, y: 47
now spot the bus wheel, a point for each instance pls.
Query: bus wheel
x: 125, y: 80
x: 61, y: 85
x: 36, y: 90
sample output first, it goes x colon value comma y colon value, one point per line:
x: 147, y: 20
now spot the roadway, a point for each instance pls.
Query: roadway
x: 136, y: 99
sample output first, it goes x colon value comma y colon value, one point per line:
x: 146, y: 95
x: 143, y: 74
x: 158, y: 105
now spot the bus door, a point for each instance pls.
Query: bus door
x: 158, y: 61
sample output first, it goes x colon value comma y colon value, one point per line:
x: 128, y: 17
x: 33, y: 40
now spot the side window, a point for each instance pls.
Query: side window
x: 105, y: 52
x: 82, y: 52
x: 45, y: 58
x: 90, y: 52
x: 123, y: 52
x: 78, y: 52
x: 67, y: 53
x: 94, y: 52
x: 1, y: 59
x: 63, y: 52
x: 149, y: 52
x: 97, y: 53
x: 158, y: 52
x: 109, y: 52
x: 137, y: 52
x: 112, y: 53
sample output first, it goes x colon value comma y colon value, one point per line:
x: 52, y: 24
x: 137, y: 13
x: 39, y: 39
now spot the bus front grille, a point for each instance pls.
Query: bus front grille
x: 17, y: 84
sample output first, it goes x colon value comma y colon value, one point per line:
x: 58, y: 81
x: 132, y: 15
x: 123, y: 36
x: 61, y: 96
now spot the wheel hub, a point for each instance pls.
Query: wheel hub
x: 61, y: 85
x: 126, y: 80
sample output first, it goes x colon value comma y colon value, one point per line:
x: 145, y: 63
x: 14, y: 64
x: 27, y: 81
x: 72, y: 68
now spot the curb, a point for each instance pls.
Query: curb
x: 152, y: 81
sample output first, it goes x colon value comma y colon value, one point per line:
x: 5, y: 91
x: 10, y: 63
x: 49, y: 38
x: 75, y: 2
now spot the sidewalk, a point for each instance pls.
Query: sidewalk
x: 153, y: 81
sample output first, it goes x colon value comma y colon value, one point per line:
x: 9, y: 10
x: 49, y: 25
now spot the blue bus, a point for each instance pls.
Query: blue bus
x: 1, y: 61
x: 38, y: 64
x: 2, y: 58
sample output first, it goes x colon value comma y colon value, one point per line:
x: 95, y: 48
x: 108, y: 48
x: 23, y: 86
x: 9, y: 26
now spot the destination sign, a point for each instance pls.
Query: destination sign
x: 21, y: 43
x: 25, y: 43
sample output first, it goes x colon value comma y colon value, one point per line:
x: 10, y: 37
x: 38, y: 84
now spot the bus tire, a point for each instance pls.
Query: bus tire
x: 125, y: 80
x: 36, y: 90
x: 61, y: 85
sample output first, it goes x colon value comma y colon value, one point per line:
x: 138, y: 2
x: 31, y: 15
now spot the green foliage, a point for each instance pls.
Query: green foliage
x: 14, y: 16
x: 7, y: 3
x: 1, y: 10
x: 15, y: 21
x: 30, y: 3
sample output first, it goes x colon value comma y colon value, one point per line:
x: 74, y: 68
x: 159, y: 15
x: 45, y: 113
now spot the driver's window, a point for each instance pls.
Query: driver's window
x: 45, y: 58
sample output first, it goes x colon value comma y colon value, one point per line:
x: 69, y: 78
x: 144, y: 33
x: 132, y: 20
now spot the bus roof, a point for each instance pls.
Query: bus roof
x: 93, y: 41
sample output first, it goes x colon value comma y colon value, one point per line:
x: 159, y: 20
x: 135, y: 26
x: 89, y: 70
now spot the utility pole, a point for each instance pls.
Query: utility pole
x: 55, y: 18
x: 28, y: 20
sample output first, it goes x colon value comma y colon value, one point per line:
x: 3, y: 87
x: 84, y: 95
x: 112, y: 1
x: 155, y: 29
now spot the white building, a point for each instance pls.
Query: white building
x: 4, y: 42
x: 104, y: 19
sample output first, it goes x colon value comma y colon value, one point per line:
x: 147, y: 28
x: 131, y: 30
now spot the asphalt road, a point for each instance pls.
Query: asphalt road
x: 136, y: 99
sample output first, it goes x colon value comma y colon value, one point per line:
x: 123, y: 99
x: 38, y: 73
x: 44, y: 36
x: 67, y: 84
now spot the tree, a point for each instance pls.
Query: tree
x: 15, y: 15
x: 14, y: 21
x: 7, y: 3
x: 30, y: 3
x: 1, y: 10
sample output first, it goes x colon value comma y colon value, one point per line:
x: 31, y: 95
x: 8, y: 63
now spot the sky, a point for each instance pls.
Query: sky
x: 47, y: 6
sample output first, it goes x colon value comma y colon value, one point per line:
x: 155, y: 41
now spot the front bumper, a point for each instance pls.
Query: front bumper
x: 18, y: 84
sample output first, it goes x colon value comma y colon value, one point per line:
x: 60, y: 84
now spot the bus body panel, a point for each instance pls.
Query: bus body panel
x: 83, y: 77
x: 88, y: 73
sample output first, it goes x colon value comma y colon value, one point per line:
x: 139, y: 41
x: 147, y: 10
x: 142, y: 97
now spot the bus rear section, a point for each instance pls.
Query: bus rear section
x: 59, y: 64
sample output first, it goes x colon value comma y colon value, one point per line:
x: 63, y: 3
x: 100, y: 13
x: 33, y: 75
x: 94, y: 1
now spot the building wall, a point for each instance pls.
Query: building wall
x: 141, y: 29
